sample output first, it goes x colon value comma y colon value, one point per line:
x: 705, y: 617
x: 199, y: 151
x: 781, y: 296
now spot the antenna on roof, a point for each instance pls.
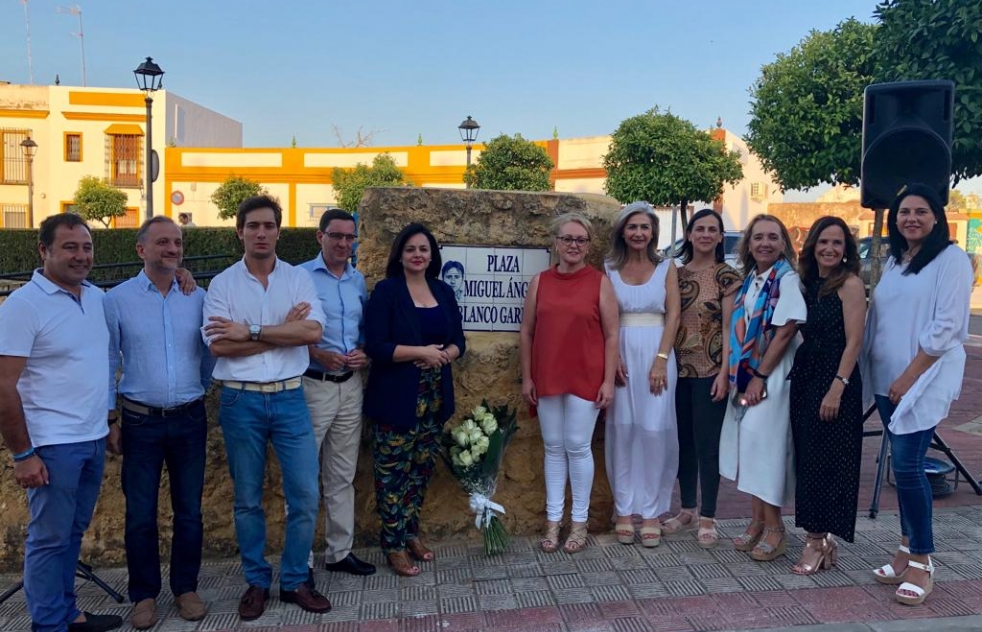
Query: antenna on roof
x: 77, y: 12
x: 30, y: 62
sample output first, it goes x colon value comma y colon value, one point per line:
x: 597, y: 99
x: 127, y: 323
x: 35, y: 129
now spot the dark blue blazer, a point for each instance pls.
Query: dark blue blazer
x: 390, y: 320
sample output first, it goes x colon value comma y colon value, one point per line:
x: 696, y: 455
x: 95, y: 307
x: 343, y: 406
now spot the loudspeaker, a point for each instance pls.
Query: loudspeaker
x: 907, y: 128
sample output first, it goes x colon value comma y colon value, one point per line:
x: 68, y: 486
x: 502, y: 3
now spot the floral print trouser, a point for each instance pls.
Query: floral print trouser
x: 404, y: 462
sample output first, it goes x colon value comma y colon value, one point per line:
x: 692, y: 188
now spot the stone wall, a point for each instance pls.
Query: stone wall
x: 490, y: 369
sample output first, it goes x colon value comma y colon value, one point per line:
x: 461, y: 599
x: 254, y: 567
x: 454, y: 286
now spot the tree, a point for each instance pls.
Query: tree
x: 350, y: 184
x: 806, y: 112
x: 664, y: 160
x: 960, y: 202
x: 938, y: 40
x: 97, y: 200
x: 510, y: 163
x: 232, y: 192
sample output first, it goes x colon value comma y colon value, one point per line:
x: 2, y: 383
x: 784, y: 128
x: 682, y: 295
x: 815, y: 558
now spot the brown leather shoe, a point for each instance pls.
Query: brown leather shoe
x: 144, y: 614
x: 190, y: 607
x: 307, y: 598
x: 253, y: 603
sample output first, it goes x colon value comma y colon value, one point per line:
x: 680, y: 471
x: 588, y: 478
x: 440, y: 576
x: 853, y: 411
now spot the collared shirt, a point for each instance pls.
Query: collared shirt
x: 238, y: 295
x: 165, y: 362
x: 342, y: 300
x: 64, y: 338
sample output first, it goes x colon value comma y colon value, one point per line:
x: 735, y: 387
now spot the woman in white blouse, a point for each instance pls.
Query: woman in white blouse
x: 755, y: 444
x: 913, y: 363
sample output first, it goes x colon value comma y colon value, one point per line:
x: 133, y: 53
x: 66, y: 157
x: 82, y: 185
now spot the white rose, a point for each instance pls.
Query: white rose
x: 466, y: 459
x: 479, y: 412
x: 460, y: 437
x: 468, y: 426
x: 482, y: 445
x: 489, y: 425
x: 475, y: 436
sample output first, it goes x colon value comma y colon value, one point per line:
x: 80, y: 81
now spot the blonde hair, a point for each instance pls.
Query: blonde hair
x: 572, y: 217
x: 617, y: 255
x: 747, y: 260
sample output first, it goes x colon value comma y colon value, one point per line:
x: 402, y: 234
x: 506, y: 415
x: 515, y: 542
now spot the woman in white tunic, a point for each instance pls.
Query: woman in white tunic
x: 913, y: 362
x: 641, y: 434
x: 755, y: 448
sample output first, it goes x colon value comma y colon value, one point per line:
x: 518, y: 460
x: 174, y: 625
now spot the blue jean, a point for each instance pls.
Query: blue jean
x: 250, y: 421
x: 60, y: 514
x: 148, y: 443
x: 907, y: 452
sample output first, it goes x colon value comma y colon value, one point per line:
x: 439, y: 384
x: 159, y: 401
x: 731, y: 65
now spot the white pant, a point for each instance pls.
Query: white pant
x: 567, y: 424
x: 335, y: 413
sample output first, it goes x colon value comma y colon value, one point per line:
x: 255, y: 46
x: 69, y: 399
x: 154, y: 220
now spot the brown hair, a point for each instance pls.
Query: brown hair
x: 808, y: 265
x: 747, y: 260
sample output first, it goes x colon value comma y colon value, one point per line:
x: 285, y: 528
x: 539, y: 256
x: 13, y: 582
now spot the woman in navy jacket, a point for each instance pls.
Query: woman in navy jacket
x: 413, y: 332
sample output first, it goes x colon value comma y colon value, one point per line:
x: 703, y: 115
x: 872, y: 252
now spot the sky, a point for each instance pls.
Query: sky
x: 405, y: 69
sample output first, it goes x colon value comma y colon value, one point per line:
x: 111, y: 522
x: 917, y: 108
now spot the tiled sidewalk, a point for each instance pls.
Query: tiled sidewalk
x: 607, y: 587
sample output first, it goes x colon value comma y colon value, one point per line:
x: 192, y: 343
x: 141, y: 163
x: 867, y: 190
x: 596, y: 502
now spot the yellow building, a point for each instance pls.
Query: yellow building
x: 88, y: 131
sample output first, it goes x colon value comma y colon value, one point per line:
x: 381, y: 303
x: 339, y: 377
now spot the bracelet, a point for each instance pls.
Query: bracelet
x: 23, y: 456
x: 760, y: 375
x: 663, y: 356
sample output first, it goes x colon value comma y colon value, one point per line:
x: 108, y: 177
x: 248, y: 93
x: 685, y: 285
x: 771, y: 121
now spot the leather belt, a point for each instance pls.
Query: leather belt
x: 320, y: 376
x: 152, y: 411
x: 265, y: 387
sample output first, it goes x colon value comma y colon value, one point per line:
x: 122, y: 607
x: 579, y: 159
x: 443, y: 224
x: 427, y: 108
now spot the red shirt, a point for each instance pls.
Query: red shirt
x: 568, y: 341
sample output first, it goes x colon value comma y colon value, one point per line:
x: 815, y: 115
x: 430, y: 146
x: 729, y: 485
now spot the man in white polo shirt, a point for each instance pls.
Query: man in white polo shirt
x: 53, y: 403
x: 260, y: 314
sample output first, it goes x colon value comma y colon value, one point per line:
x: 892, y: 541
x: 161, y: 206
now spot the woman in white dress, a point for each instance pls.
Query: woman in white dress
x: 641, y: 435
x: 913, y: 362
x: 755, y: 448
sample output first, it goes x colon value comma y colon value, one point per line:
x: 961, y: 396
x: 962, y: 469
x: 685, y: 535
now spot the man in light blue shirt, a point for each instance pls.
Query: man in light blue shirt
x: 166, y: 371
x: 333, y: 386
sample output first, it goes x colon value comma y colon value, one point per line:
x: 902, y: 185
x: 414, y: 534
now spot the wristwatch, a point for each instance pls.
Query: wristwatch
x: 254, y: 331
x: 842, y: 379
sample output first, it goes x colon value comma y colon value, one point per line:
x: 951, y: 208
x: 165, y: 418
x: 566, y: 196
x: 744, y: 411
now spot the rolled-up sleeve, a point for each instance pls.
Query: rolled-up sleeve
x: 307, y: 293
x: 952, y: 300
x: 216, y: 304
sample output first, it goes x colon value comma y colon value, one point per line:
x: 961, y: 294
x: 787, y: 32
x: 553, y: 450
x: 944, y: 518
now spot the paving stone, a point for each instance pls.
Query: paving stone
x: 535, y: 598
x: 459, y: 604
x: 610, y: 593
x: 497, y: 602
x: 493, y: 587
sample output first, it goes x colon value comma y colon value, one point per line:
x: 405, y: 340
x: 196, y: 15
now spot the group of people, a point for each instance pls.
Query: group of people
x: 758, y: 373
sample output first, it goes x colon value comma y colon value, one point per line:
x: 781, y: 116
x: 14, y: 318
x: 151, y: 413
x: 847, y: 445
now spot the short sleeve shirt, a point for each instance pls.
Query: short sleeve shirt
x: 699, y: 342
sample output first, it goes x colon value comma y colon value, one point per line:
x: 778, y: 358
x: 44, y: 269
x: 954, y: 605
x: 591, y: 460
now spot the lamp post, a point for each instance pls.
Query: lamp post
x: 29, y: 147
x: 149, y: 78
x: 468, y: 133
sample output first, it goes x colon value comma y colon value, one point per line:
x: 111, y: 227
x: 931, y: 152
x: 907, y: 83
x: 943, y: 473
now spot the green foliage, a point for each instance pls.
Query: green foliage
x: 664, y: 160
x: 232, y: 192
x: 510, y: 163
x: 350, y: 184
x: 962, y: 203
x: 18, y: 250
x: 98, y: 201
x: 807, y: 108
x: 938, y: 40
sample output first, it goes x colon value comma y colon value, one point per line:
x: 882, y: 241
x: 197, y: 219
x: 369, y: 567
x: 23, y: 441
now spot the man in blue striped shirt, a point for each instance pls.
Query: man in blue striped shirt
x: 166, y: 371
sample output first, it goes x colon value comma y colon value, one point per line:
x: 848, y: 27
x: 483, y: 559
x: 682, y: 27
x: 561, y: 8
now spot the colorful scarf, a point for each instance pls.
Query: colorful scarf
x: 748, y: 342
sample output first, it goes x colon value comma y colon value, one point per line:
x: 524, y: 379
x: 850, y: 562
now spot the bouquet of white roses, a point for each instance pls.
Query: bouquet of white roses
x: 473, y: 449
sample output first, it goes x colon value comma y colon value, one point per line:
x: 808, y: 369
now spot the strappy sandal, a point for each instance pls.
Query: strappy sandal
x: 401, y: 565
x: 576, y: 541
x: 707, y: 537
x: 550, y: 543
x: 624, y: 530
x: 920, y: 594
x: 419, y: 551
x: 886, y: 573
x: 673, y: 526
x: 828, y: 556
x: 650, y: 535
x: 765, y: 551
x: 748, y: 541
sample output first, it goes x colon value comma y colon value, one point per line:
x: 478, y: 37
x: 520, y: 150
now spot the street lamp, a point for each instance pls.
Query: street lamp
x: 149, y: 78
x: 29, y: 147
x: 468, y: 133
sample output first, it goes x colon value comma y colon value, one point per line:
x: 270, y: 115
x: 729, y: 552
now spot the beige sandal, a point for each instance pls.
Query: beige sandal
x: 576, y: 541
x: 748, y: 540
x: 624, y: 528
x: 675, y: 525
x: 707, y: 537
x: 765, y: 551
x: 550, y: 543
x: 651, y: 535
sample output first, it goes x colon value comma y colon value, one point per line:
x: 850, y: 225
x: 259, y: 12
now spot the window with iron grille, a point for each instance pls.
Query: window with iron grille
x: 14, y: 215
x: 123, y: 160
x: 73, y: 147
x: 13, y: 164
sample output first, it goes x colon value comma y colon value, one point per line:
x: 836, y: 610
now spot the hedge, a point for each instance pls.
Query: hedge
x: 18, y: 250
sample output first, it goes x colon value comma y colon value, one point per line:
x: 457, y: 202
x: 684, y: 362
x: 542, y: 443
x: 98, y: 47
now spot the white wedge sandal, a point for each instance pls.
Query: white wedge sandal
x: 886, y: 573
x: 920, y: 594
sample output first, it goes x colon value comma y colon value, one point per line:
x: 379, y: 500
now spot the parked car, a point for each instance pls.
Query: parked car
x: 731, y: 241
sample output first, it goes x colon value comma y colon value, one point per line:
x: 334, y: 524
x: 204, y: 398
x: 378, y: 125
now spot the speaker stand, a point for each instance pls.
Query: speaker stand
x: 82, y: 571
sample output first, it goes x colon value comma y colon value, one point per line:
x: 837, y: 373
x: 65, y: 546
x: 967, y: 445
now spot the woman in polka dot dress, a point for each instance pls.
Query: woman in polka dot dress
x: 826, y: 394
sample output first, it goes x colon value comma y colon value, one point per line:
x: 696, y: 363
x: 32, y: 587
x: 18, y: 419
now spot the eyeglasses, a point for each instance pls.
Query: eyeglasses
x: 569, y: 241
x: 342, y: 236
